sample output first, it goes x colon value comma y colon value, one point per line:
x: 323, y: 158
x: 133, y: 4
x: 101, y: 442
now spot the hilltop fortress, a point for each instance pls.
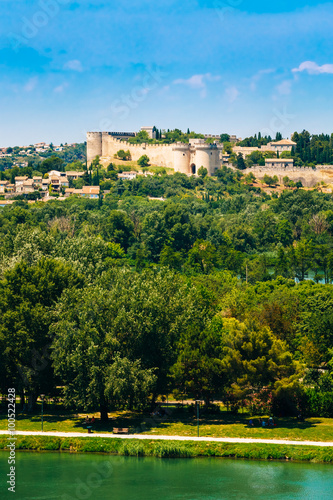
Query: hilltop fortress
x: 186, y: 158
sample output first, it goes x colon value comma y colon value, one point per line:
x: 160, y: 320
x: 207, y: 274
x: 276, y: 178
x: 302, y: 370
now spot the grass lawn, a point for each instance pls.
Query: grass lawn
x: 171, y: 449
x: 179, y: 421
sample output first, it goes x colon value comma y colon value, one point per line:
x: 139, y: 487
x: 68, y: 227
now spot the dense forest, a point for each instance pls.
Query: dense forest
x: 207, y: 294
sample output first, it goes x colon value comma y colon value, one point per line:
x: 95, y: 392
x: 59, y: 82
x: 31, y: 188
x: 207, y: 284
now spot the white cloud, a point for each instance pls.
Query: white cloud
x: 31, y: 84
x: 285, y: 87
x: 255, y: 78
x: 74, y: 65
x: 313, y: 68
x: 231, y: 93
x: 198, y: 82
x: 60, y: 88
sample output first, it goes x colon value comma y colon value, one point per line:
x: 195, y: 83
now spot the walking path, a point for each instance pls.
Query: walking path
x: 171, y: 438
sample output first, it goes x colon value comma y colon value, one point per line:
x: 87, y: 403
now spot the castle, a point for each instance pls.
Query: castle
x: 182, y: 157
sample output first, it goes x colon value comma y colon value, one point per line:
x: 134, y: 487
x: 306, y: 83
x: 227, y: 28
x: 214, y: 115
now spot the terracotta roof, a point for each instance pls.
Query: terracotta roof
x: 21, y: 178
x: 284, y: 141
x: 279, y: 160
x: 90, y: 189
x: 72, y: 173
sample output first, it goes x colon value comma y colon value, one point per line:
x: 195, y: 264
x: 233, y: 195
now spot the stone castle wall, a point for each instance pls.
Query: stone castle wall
x: 159, y: 154
x: 184, y: 158
x: 309, y: 177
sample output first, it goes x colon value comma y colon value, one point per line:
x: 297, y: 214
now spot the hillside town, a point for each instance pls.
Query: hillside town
x: 54, y: 183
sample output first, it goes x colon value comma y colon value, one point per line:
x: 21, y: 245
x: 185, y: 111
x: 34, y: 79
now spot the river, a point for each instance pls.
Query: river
x: 64, y: 476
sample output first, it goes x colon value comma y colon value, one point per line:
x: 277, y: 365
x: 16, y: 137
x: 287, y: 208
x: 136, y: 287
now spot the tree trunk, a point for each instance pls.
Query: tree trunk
x: 104, y: 412
x: 22, y: 398
x: 32, y: 398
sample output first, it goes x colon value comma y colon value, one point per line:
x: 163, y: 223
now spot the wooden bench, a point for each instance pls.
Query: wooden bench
x: 120, y: 430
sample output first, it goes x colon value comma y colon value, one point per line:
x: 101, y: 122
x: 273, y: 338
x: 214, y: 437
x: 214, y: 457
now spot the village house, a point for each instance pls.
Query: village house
x: 283, y: 145
x: 19, y: 180
x: 275, y: 147
x: 28, y: 186
x: 38, y: 181
x: 3, y: 186
x: 73, y: 176
x: 279, y: 162
x: 45, y: 184
x: 91, y: 192
x: 127, y: 175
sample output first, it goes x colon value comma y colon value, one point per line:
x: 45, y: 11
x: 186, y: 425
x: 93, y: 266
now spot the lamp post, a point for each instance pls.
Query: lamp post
x: 198, y: 404
x: 42, y: 397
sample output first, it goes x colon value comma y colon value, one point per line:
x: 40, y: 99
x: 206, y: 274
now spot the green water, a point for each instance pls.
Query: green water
x: 47, y: 476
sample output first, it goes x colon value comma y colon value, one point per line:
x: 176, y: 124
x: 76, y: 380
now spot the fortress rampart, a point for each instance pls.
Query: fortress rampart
x: 308, y: 176
x: 185, y: 158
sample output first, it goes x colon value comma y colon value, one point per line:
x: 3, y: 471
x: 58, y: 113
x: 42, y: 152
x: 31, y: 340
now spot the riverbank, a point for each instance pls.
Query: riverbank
x: 172, y: 448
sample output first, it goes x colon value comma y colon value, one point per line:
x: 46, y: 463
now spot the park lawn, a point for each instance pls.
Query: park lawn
x: 179, y: 423
x: 313, y: 429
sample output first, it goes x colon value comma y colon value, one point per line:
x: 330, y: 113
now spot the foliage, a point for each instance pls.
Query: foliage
x: 205, y: 291
x: 143, y: 161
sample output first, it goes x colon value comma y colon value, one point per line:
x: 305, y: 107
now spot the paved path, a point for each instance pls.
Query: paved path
x: 171, y: 438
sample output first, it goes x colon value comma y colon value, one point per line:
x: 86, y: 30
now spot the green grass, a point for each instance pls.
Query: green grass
x: 172, y: 449
x: 180, y: 422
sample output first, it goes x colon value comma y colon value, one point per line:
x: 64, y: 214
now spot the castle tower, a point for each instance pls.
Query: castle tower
x: 181, y: 158
x: 204, y: 155
x: 94, y: 145
x: 105, y: 144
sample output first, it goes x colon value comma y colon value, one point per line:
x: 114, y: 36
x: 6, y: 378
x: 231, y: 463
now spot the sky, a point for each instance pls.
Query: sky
x: 235, y: 66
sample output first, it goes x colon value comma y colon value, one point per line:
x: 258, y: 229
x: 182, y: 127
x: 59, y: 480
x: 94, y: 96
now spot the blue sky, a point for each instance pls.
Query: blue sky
x: 234, y: 66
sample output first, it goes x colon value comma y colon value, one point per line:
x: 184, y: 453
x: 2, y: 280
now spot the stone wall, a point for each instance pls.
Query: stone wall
x: 158, y: 154
x: 185, y: 158
x: 309, y: 177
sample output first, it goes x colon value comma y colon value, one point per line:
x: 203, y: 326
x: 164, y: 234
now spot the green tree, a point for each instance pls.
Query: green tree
x: 123, y: 155
x: 202, y: 257
x: 240, y: 162
x: 52, y: 163
x: 27, y: 301
x: 202, y: 172
x: 270, y: 181
x: 256, y: 360
x: 300, y: 256
x: 284, y: 233
x: 128, y: 384
x: 143, y: 161
x: 225, y: 138
x: 118, y: 228
x: 250, y: 178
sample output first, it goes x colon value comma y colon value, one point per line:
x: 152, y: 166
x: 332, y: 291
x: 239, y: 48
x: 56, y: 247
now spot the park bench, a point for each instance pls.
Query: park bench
x: 120, y: 430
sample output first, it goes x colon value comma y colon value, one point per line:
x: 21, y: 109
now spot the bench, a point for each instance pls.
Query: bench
x: 120, y: 430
